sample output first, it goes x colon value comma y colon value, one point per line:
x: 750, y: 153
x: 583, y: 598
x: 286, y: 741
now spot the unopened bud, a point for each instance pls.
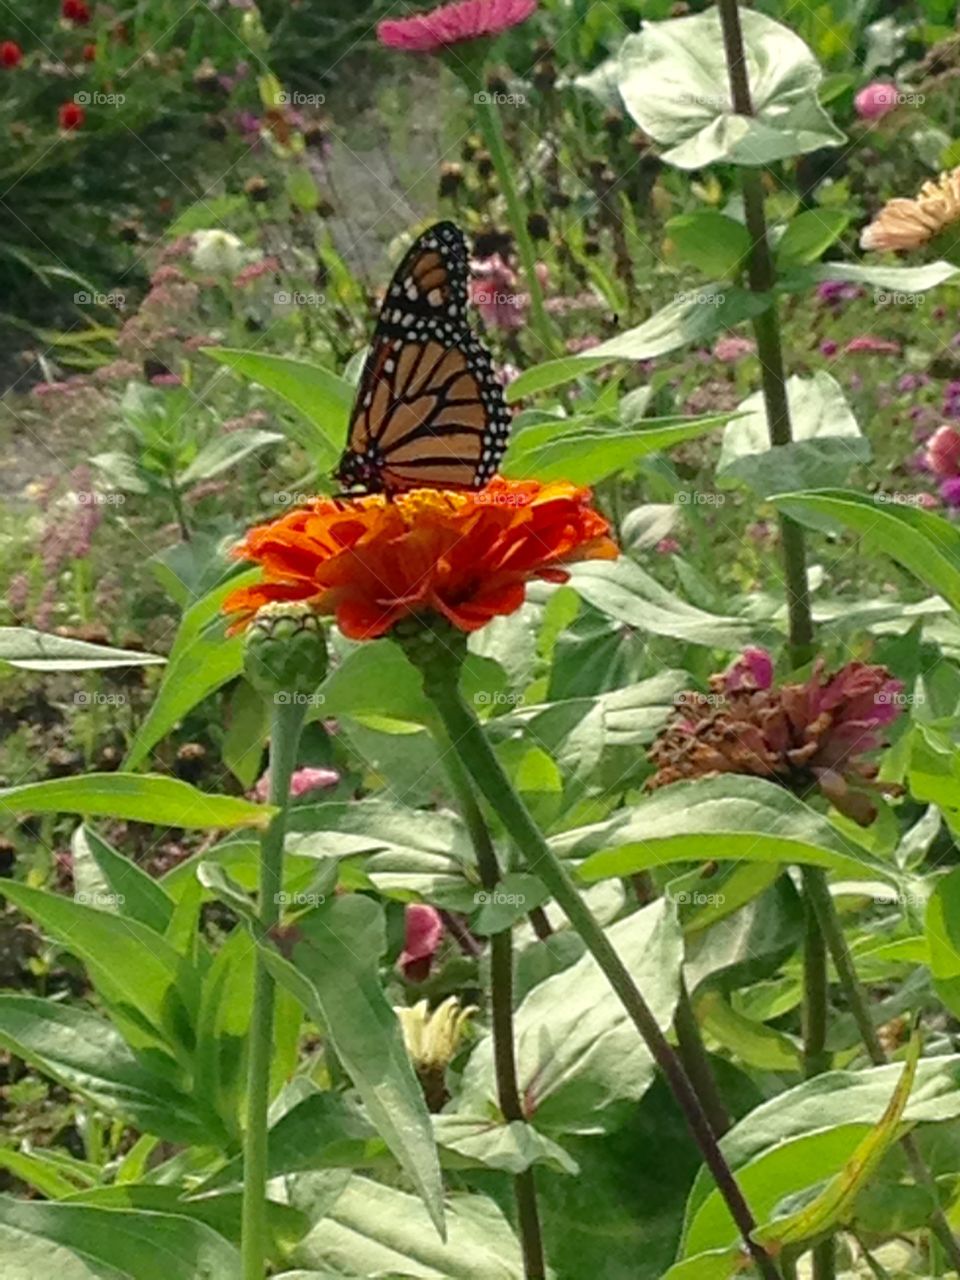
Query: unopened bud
x: 285, y: 653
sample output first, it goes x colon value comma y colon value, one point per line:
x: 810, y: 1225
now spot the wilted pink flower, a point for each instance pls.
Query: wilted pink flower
x: 879, y: 346
x: 302, y: 783
x: 752, y: 670
x: 943, y: 452
x: 495, y: 292
x: 731, y: 348
x: 876, y: 99
x: 422, y: 937
x: 453, y: 23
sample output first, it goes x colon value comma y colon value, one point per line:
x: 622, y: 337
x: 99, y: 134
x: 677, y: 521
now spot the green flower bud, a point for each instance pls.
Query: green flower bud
x: 285, y: 653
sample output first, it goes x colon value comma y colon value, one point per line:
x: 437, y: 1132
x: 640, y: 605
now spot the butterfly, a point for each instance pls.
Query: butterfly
x: 429, y: 411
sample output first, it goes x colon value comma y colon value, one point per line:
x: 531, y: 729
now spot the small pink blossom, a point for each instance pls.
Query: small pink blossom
x: 263, y: 267
x: 668, y: 546
x: 495, y: 292
x: 943, y: 452
x: 731, y: 348
x: 752, y: 670
x: 876, y: 100
x: 422, y: 937
x: 302, y: 783
x: 878, y: 346
x: 453, y: 23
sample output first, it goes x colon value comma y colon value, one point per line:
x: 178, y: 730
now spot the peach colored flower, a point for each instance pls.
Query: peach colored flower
x: 909, y: 224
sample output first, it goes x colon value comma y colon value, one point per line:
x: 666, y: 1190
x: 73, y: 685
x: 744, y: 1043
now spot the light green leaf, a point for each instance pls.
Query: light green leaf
x: 923, y: 543
x: 942, y: 930
x: 550, y: 374
x: 674, y: 81
x: 224, y: 452
x: 37, y: 651
x: 710, y: 241
x: 809, y: 235
x: 826, y: 444
x: 896, y: 279
x: 138, y: 797
x: 135, y: 893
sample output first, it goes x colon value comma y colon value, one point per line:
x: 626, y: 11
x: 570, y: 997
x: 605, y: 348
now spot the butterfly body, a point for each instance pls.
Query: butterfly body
x: 429, y: 410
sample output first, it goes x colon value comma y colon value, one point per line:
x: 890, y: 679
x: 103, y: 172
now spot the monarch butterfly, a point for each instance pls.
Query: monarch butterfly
x: 429, y: 411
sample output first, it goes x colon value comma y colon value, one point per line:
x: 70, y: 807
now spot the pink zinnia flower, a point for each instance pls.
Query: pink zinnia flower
x: 876, y: 100
x: 943, y: 452
x: 879, y: 346
x: 731, y: 348
x: 424, y: 932
x: 452, y: 24
x: 302, y: 783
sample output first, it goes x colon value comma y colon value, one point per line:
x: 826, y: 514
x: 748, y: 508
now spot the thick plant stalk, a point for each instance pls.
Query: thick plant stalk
x: 501, y: 999
x: 440, y: 669
x: 696, y: 1063
x: 819, y: 894
x: 286, y: 724
x: 816, y: 1059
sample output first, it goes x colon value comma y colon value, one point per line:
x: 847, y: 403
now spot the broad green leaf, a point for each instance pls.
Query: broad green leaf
x: 897, y: 279
x: 79, y: 1241
x: 550, y: 374
x: 753, y: 1043
x: 225, y: 451
x: 723, y: 818
x: 833, y: 1205
x: 926, y: 545
x: 338, y: 952
x: 942, y: 930
x: 321, y: 397
x: 134, y: 893
x: 809, y: 235
x: 625, y: 592
x: 38, y: 651
x: 490, y: 1142
x: 710, y: 241
x: 247, y: 729
x: 203, y: 658
x: 138, y: 797
x: 40, y: 1173
x: 933, y: 770
x: 826, y: 440
x: 734, y: 948
x: 375, y: 1230
x: 674, y: 81
x: 576, y: 1053
x: 716, y: 1264
x: 589, y: 456
x: 85, y: 1053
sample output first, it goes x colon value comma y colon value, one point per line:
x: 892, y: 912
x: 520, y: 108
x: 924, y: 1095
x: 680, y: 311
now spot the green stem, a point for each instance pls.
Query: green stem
x: 818, y: 892
x: 440, y: 681
x: 696, y: 1063
x: 816, y: 989
x: 286, y: 724
x: 501, y: 1001
x: 489, y: 120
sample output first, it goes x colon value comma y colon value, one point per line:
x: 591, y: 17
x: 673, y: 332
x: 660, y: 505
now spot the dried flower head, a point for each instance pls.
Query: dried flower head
x: 466, y: 556
x: 909, y: 224
x: 804, y: 735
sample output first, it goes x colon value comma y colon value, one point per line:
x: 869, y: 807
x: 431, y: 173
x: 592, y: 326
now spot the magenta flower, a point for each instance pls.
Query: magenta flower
x: 495, y: 292
x: 943, y: 452
x: 950, y: 491
x: 828, y: 347
x: 302, y: 783
x: 752, y: 670
x: 668, y: 546
x: 876, y: 100
x: 422, y: 938
x: 452, y: 24
x: 834, y: 292
x: 730, y: 349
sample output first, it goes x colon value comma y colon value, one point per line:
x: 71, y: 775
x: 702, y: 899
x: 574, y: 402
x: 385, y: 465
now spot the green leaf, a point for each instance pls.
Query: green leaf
x: 809, y: 235
x: 674, y: 81
x: 85, y: 1053
x: 40, y: 1172
x: 710, y: 241
x: 834, y: 1204
x: 622, y: 590
x: 224, y: 452
x: 738, y: 818
x: 716, y: 1264
x: 576, y: 1054
x: 338, y: 953
x: 138, y: 797
x: 490, y: 1142
x: 896, y: 279
x: 587, y: 456
x: 942, y: 930
x: 37, y: 651
x: 550, y: 374
x: 924, y: 544
x: 78, y: 1242
x: 321, y: 397
x: 826, y: 440
x: 753, y: 1043
x: 201, y: 660
x: 246, y: 733
x: 136, y: 894
x: 377, y: 1230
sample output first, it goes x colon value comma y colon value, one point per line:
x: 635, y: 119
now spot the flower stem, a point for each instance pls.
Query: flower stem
x: 440, y: 681
x: 489, y: 120
x: 501, y: 1000
x: 693, y: 1055
x: 286, y: 724
x: 818, y: 892
x: 761, y: 274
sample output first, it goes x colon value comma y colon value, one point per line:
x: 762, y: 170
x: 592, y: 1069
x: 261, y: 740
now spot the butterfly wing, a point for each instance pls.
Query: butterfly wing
x: 429, y: 410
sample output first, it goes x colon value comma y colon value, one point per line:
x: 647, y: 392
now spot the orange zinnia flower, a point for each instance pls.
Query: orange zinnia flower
x: 468, y: 556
